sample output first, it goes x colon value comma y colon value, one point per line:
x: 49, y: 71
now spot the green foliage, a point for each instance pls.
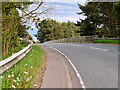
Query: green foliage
x: 52, y: 30
x: 102, y: 19
x: 107, y: 41
x: 12, y: 27
x: 23, y: 73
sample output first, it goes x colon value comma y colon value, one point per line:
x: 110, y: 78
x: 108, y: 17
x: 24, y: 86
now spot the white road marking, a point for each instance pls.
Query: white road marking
x: 75, y: 45
x: 77, y: 73
x: 99, y: 49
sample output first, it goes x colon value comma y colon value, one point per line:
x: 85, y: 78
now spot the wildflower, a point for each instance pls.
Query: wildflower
x: 25, y: 65
x: 12, y: 75
x: 27, y: 79
x: 1, y: 77
x: 17, y: 83
x: 35, y: 85
x: 17, y: 78
x: 9, y: 76
x: 26, y: 72
x: 31, y: 67
x: 12, y: 71
x: 6, y: 67
x: 14, y: 80
x: 13, y: 86
x: 30, y: 76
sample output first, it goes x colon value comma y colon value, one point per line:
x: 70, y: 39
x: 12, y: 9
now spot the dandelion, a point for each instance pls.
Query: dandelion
x: 13, y: 86
x: 26, y: 72
x: 9, y: 76
x: 12, y: 75
x: 14, y: 80
x: 1, y: 77
x: 17, y: 83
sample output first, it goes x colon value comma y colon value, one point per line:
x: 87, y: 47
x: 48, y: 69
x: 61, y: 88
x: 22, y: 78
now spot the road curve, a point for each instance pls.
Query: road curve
x: 97, y: 63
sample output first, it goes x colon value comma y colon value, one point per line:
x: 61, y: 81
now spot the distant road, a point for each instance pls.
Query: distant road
x: 97, y: 63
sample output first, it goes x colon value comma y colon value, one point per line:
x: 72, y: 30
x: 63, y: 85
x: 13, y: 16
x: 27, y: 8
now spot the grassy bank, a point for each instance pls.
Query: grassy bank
x: 107, y: 41
x: 23, y: 74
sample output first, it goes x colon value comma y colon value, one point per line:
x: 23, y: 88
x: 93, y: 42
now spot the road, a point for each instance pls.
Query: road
x: 96, y: 63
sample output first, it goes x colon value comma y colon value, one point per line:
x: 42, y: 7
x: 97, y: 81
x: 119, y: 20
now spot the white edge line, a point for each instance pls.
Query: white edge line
x: 76, y: 71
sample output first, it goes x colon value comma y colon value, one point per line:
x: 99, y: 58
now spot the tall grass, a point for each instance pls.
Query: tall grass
x: 22, y: 74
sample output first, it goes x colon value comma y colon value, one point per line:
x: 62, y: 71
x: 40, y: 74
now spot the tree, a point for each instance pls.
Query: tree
x: 52, y: 30
x: 13, y: 24
x: 100, y: 15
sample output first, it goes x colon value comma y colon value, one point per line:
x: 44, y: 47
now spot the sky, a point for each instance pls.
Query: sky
x: 62, y: 12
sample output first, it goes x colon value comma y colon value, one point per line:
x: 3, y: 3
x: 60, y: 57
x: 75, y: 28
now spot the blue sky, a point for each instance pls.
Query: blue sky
x: 62, y: 12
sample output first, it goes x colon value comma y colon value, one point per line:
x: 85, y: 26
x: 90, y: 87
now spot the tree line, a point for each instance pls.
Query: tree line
x: 103, y: 19
x: 49, y: 29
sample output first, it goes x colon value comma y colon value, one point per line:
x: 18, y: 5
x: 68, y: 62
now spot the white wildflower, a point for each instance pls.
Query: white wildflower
x: 6, y: 67
x: 17, y: 83
x: 12, y: 71
x: 27, y: 79
x: 14, y: 80
x: 25, y: 65
x: 26, y: 72
x: 13, y: 86
x: 35, y: 85
x: 17, y: 78
x: 31, y: 67
x: 1, y: 77
x: 12, y: 75
x: 9, y: 76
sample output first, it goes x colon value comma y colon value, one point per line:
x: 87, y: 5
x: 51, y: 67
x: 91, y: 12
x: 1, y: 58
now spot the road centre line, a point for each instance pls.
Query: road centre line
x: 98, y: 48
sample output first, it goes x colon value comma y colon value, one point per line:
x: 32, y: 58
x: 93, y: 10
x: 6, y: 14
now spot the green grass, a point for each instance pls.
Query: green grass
x: 22, y: 74
x: 15, y: 50
x: 107, y: 41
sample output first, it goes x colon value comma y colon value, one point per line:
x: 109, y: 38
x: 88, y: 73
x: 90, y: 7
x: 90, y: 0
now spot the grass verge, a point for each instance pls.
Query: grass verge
x: 23, y: 74
x: 107, y: 41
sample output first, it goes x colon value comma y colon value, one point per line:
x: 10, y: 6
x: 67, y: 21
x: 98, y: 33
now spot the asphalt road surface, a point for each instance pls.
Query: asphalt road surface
x: 97, y: 63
